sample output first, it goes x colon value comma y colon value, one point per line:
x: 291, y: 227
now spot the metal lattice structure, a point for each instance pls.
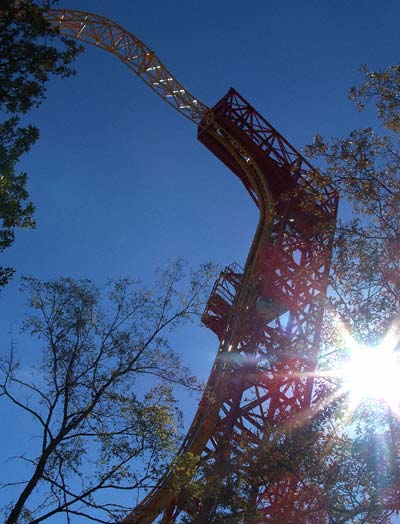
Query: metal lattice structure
x: 105, y: 34
x: 267, y: 316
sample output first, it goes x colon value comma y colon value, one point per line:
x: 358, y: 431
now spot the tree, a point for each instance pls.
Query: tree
x: 29, y: 54
x: 101, y: 393
x: 365, y: 168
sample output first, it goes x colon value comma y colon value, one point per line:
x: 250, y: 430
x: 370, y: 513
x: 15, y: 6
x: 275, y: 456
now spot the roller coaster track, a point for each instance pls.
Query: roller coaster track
x: 285, y: 272
x: 106, y: 34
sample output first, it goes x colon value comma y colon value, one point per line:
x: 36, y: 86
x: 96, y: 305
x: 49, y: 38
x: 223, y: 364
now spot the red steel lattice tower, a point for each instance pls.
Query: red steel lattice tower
x: 267, y: 316
x: 268, y: 320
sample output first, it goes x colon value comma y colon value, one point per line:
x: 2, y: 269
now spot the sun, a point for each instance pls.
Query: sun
x: 372, y: 372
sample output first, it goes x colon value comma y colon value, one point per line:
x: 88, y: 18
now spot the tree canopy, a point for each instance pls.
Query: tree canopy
x: 30, y: 52
x: 365, y: 168
x: 101, y: 393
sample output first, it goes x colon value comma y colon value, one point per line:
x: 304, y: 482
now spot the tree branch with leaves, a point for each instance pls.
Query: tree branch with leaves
x: 102, y: 392
x: 31, y: 51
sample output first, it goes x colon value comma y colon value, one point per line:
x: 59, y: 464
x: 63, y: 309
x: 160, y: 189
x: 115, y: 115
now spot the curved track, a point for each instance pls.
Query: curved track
x: 250, y: 165
x: 108, y: 35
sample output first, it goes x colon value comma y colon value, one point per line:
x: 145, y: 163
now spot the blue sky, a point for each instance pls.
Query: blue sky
x: 121, y: 183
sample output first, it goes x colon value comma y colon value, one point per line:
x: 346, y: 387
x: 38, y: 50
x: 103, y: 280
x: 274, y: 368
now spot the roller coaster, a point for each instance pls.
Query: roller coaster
x: 267, y: 316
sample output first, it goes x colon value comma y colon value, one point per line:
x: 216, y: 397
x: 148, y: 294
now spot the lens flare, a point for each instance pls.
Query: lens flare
x: 372, y: 372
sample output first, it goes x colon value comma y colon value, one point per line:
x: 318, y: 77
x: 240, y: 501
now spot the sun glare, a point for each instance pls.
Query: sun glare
x: 372, y: 372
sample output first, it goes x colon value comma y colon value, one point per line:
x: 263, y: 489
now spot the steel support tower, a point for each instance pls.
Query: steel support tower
x: 268, y: 319
x: 267, y: 316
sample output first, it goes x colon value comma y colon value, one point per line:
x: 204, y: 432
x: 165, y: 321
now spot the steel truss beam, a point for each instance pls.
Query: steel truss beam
x: 108, y: 35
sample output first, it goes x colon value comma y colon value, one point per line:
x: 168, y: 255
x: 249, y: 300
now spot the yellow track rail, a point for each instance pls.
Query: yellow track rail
x: 108, y: 35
